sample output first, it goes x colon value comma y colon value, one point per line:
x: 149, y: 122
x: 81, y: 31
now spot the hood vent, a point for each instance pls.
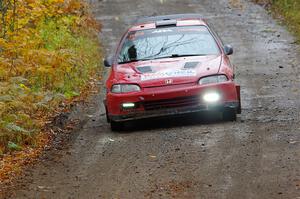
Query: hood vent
x: 144, y: 69
x: 189, y: 65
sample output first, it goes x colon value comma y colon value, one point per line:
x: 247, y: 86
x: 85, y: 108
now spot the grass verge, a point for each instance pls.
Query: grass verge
x: 49, y: 53
x: 288, y: 10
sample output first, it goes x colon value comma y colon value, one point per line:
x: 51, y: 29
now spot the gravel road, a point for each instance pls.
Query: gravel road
x: 188, y: 157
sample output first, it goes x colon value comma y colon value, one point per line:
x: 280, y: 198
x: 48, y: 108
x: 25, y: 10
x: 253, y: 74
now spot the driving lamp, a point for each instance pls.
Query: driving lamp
x: 211, y: 97
x: 128, y: 105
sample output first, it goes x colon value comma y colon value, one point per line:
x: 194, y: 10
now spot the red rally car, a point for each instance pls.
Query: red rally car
x: 169, y: 65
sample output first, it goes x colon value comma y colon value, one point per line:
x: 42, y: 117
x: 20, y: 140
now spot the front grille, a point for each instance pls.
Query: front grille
x: 172, y: 103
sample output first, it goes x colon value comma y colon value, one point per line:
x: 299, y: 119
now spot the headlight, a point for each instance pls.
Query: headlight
x: 213, y: 79
x: 125, y: 88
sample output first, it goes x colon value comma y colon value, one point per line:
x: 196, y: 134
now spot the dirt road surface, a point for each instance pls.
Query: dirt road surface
x: 256, y: 157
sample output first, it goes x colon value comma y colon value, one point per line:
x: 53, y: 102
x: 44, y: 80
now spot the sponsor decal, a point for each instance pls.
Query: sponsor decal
x: 162, y: 30
x: 192, y: 30
x: 168, y: 74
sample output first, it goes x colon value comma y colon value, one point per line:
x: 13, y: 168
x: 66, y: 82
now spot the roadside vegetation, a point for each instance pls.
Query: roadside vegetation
x: 49, y: 51
x: 289, y: 10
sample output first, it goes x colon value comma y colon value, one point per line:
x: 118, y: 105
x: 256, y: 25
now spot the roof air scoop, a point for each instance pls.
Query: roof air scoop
x: 166, y: 22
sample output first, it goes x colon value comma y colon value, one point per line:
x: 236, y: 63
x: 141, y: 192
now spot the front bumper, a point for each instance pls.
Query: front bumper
x: 174, y: 111
x: 174, y: 100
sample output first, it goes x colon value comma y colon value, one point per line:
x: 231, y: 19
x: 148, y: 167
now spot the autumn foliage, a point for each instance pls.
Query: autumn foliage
x: 49, y: 50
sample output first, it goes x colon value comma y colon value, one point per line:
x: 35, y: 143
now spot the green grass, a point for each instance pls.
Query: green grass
x: 289, y: 10
x: 65, y: 61
x: 80, y: 54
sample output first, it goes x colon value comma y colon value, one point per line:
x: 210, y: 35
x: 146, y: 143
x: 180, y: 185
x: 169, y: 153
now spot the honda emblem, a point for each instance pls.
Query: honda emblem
x: 168, y: 81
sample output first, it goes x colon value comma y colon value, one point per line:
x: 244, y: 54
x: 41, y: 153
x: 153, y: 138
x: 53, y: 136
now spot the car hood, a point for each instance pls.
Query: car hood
x: 168, y: 71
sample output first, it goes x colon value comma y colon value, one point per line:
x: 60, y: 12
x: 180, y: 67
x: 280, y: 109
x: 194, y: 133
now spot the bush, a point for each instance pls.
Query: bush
x: 49, y: 50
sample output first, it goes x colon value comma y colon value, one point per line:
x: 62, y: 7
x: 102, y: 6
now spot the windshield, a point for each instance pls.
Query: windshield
x: 167, y: 42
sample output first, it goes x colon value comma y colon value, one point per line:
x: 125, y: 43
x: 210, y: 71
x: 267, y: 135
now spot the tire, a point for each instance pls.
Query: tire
x: 107, y: 117
x: 229, y: 115
x: 116, y: 126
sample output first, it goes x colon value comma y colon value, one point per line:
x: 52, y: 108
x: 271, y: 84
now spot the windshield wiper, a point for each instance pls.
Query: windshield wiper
x: 179, y: 55
x: 130, y: 61
x: 169, y: 56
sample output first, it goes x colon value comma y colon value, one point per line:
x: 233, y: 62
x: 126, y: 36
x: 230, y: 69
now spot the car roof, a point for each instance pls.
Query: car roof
x: 152, y: 19
x: 165, y: 20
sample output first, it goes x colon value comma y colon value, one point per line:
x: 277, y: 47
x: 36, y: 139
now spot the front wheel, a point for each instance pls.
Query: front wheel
x: 229, y: 115
x: 107, y: 116
x: 116, y: 126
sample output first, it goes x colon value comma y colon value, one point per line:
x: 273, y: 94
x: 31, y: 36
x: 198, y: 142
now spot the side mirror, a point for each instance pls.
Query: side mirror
x: 108, y: 61
x: 228, y: 49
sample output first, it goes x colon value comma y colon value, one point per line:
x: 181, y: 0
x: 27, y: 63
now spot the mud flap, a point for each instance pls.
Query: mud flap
x: 238, y: 92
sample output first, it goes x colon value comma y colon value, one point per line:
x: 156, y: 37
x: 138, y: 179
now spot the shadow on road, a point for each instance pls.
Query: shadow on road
x: 173, y: 121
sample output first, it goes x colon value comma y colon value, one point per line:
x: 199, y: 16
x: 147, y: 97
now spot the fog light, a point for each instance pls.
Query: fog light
x: 211, y: 97
x: 128, y: 105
